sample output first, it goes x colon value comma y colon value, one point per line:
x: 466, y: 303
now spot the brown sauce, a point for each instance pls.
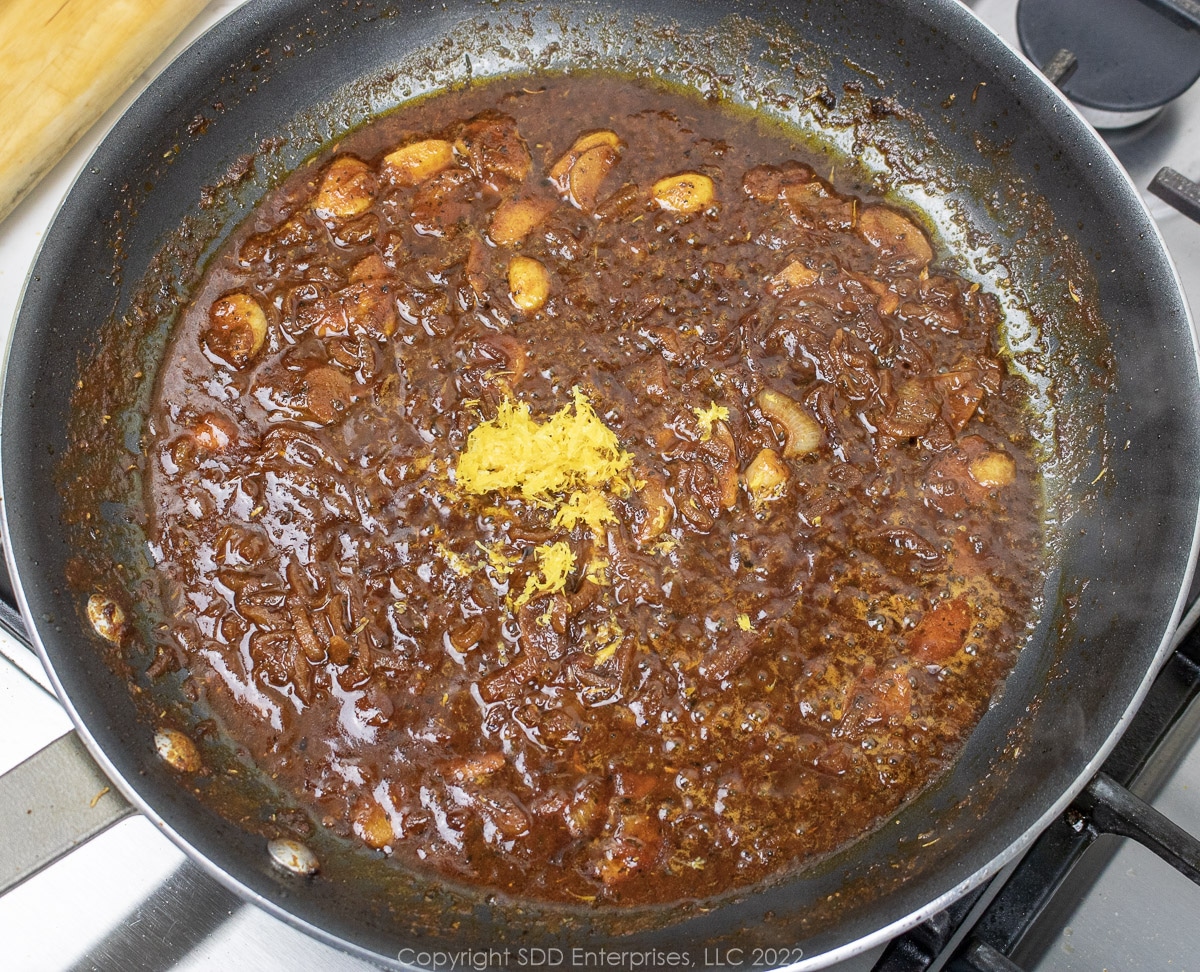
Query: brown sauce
x: 806, y: 541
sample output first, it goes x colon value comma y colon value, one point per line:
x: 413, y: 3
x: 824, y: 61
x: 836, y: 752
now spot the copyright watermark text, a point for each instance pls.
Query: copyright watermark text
x: 484, y: 960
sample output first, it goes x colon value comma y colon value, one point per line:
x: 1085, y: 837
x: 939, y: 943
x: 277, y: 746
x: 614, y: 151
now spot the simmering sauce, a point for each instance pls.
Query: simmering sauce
x: 562, y: 487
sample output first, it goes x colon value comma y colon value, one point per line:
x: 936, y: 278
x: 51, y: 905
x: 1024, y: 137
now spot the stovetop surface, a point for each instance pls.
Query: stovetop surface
x: 130, y: 901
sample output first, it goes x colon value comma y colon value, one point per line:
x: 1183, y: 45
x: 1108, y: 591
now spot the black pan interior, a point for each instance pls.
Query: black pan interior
x: 1003, y: 147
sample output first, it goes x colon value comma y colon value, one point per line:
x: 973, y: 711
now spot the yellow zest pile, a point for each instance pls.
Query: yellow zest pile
x: 572, y: 450
x: 566, y: 463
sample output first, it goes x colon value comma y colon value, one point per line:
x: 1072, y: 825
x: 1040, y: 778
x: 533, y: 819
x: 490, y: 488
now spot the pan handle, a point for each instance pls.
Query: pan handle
x: 50, y: 804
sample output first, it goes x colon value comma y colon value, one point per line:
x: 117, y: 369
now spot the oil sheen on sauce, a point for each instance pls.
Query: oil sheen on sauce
x: 559, y: 486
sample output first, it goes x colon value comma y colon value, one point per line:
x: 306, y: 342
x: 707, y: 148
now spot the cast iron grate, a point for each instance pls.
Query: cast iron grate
x: 1106, y: 806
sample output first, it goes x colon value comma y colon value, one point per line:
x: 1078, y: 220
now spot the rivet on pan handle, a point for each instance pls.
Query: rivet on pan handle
x: 1178, y: 190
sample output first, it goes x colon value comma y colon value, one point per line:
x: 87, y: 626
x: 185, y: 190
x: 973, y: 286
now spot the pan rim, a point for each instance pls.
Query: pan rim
x: 847, y: 951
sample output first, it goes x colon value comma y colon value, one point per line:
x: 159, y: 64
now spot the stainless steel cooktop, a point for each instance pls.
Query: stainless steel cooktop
x: 129, y: 901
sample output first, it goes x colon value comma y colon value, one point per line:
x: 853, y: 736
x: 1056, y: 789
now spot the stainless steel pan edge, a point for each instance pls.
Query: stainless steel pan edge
x: 82, y: 718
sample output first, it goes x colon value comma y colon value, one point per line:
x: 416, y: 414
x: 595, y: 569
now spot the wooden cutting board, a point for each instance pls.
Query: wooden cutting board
x: 62, y: 64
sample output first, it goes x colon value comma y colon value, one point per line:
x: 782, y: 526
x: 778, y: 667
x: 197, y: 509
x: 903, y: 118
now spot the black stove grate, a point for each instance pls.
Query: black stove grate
x: 983, y: 939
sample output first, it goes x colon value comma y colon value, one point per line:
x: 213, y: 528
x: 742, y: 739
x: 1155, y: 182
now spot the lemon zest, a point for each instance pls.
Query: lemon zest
x: 708, y: 416
x: 500, y: 562
x: 454, y: 561
x: 608, y: 637
x: 571, y: 450
x: 555, y: 563
x: 585, y: 506
x: 597, y: 571
x: 605, y: 653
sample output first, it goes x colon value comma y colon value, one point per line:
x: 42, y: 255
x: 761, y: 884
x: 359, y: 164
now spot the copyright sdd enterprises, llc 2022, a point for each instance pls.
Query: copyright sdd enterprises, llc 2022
x: 709, y: 958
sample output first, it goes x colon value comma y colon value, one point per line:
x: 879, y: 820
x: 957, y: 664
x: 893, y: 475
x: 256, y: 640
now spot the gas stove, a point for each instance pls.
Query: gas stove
x: 1080, y: 899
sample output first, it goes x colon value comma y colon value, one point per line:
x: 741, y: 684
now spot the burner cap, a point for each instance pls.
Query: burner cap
x: 1133, y: 59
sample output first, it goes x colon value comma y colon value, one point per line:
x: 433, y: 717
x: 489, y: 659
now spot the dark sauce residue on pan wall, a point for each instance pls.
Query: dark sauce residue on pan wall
x: 590, y: 502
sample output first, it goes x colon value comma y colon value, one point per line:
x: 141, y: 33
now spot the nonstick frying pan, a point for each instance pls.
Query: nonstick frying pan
x: 1014, y: 181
